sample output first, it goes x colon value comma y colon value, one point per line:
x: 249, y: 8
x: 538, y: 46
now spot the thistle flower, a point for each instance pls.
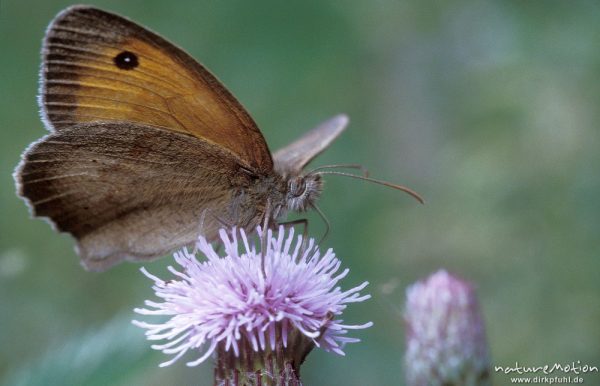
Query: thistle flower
x: 261, y: 311
x: 445, y: 334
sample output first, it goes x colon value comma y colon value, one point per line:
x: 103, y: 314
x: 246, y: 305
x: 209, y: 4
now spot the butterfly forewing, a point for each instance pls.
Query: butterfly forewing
x: 98, y: 67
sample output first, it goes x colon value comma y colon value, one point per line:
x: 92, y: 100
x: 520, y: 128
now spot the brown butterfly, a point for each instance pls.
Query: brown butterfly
x: 144, y: 142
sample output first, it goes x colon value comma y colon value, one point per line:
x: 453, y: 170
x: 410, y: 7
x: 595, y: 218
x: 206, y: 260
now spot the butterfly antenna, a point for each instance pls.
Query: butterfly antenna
x: 379, y: 182
x: 363, y: 169
x: 325, y: 220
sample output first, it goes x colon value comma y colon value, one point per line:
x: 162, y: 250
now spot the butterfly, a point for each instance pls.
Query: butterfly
x: 144, y: 142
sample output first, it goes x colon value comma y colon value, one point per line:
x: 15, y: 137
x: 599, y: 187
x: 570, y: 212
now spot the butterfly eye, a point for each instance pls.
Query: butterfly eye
x: 297, y: 187
x: 126, y: 60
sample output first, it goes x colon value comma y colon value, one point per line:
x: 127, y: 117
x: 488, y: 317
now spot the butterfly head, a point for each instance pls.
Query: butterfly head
x: 303, y: 191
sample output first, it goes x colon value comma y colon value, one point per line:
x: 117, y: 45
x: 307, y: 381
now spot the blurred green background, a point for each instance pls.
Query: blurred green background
x: 488, y: 109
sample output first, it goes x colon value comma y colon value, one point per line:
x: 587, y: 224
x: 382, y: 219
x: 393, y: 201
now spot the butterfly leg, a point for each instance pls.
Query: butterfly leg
x: 289, y: 224
x: 325, y: 220
x: 304, y: 223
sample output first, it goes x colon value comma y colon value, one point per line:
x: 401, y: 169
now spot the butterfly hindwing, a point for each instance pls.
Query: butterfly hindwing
x: 127, y: 191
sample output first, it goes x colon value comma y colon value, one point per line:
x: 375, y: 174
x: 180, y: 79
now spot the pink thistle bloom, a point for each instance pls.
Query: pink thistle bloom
x: 445, y: 334
x: 230, y: 304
